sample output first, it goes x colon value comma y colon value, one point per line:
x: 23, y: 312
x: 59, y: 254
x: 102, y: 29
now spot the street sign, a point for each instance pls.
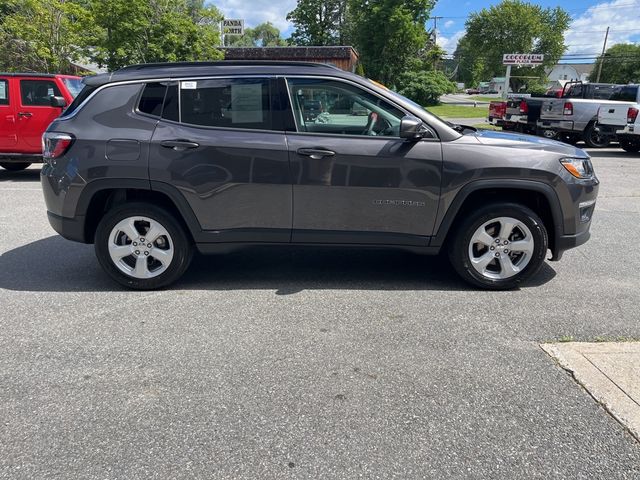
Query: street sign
x: 523, y: 59
x: 233, y: 26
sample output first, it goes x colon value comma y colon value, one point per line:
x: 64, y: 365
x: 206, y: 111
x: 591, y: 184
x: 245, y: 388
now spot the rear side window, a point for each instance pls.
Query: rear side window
x: 231, y: 103
x: 626, y: 94
x: 152, y: 99
x: 4, y: 92
x: 77, y: 101
x: 38, y: 92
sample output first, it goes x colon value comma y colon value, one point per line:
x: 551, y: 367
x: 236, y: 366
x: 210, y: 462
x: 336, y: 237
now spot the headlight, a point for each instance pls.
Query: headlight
x: 578, y: 167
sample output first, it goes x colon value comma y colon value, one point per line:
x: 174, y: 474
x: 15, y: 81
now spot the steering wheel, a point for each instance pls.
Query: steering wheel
x: 371, y: 123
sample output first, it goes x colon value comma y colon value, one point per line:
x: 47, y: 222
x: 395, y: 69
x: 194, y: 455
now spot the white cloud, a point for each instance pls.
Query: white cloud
x: 255, y: 12
x: 449, y: 23
x: 450, y: 43
x: 587, y: 31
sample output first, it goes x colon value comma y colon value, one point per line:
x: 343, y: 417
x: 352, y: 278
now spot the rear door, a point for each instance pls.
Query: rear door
x: 224, y: 150
x: 354, y: 179
x: 8, y: 136
x: 34, y: 111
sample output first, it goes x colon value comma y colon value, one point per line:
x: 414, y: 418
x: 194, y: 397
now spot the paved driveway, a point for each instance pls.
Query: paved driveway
x: 308, y: 363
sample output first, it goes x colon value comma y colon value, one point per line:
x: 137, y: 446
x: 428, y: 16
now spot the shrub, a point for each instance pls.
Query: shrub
x: 425, y: 87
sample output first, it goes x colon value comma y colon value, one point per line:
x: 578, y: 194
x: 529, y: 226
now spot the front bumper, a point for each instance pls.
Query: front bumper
x: 567, y: 242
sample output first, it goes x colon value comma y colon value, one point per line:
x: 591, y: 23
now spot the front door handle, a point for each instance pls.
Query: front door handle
x: 25, y: 114
x: 316, y: 153
x: 179, y: 145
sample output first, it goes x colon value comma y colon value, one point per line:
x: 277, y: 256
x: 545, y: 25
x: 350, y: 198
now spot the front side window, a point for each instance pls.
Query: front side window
x: 4, y: 92
x: 38, y: 92
x: 334, y: 107
x: 225, y: 102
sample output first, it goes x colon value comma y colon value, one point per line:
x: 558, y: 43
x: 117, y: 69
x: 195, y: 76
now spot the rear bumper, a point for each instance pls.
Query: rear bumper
x: 558, y: 125
x: 69, y: 228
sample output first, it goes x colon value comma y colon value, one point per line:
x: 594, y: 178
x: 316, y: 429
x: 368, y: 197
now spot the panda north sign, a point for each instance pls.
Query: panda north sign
x: 233, y: 26
x: 523, y: 59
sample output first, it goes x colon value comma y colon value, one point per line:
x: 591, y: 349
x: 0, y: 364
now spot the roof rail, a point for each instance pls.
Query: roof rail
x: 221, y: 63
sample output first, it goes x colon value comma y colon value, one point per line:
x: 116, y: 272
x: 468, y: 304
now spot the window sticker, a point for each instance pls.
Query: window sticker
x: 189, y: 85
x: 246, y: 101
x: 3, y: 90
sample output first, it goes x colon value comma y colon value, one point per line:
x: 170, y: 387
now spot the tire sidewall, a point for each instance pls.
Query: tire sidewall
x: 459, y: 253
x: 181, y: 244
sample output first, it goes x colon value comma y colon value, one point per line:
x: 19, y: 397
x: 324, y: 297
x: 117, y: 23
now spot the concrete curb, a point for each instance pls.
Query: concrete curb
x: 609, y: 371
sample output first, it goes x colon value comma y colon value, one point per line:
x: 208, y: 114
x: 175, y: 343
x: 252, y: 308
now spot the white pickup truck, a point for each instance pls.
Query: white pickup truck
x: 573, y: 117
x: 623, y: 121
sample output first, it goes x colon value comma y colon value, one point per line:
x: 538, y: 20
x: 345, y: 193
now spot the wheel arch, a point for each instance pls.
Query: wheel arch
x: 101, y: 195
x: 538, y: 196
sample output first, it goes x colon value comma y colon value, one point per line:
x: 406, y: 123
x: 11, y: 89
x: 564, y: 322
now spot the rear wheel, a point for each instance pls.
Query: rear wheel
x: 595, y: 139
x: 499, y: 246
x: 631, y: 145
x: 142, y: 246
x: 14, y: 166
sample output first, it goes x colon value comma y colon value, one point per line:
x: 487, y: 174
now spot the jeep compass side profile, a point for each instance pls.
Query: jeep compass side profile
x: 154, y: 161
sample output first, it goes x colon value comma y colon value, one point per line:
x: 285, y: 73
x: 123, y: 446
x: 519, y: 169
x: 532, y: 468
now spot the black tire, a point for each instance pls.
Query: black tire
x: 594, y: 139
x: 14, y: 167
x: 631, y: 145
x: 182, y: 245
x: 460, y: 245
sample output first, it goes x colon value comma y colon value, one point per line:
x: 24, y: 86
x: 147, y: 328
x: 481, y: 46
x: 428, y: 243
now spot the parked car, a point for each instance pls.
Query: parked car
x: 574, y: 115
x: 497, y: 112
x: 28, y: 104
x: 621, y: 119
x: 472, y: 91
x: 143, y: 165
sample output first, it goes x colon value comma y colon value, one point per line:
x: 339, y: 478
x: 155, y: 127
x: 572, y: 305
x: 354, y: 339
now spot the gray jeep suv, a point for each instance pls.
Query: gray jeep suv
x: 153, y: 161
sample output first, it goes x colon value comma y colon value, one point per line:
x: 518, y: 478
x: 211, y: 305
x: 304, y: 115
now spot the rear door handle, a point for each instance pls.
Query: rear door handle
x: 25, y: 114
x: 316, y: 153
x: 179, y: 145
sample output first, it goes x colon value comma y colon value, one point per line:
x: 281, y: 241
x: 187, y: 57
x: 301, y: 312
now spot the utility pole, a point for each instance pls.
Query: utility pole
x: 435, y: 28
x: 435, y: 38
x: 604, y: 47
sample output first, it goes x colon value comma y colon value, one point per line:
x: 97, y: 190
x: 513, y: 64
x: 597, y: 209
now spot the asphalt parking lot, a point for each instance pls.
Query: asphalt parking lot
x: 307, y: 363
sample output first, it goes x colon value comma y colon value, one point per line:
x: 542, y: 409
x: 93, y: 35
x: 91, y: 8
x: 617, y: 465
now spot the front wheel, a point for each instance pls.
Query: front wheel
x: 499, y: 246
x: 142, y: 246
x: 14, y: 166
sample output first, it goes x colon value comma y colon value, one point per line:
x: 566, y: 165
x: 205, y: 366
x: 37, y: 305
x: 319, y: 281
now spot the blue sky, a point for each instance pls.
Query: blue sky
x: 585, y: 36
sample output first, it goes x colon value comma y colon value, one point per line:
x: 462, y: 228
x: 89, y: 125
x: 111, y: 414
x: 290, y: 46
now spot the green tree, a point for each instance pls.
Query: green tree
x: 621, y: 65
x: 512, y: 26
x: 42, y: 35
x: 319, y: 22
x: 389, y: 34
x: 263, y: 35
x: 425, y: 87
x: 141, y: 31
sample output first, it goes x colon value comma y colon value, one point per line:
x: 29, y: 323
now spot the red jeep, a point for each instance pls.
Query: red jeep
x: 28, y: 104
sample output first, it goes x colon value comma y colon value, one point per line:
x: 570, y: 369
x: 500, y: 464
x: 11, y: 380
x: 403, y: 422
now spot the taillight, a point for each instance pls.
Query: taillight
x: 55, y: 144
x: 524, y: 107
x: 632, y: 114
x: 568, y: 108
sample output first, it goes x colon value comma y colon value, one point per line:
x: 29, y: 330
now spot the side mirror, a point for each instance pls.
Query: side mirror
x: 412, y: 128
x: 58, y: 102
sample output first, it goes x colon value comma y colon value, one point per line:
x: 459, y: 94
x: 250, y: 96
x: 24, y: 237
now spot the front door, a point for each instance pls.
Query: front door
x: 355, y: 180
x: 225, y: 153
x: 34, y: 112
x: 8, y: 136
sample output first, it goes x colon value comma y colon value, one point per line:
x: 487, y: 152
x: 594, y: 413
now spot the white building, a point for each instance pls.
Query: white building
x: 570, y: 72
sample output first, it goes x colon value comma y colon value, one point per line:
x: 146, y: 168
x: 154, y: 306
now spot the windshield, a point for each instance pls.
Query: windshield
x: 74, y: 85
